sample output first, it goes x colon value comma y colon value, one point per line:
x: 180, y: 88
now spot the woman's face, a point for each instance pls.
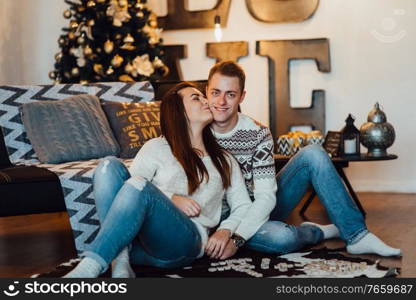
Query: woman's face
x: 196, y: 106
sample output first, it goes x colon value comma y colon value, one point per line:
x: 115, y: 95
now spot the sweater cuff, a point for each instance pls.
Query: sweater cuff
x: 229, y: 225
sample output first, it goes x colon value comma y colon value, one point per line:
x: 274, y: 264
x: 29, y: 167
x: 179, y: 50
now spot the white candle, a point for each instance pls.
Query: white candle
x: 349, y: 147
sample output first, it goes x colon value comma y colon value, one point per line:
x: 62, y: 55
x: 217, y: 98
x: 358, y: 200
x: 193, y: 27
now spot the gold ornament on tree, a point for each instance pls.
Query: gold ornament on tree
x: 117, y: 61
x: 87, y: 51
x: 110, y: 71
x: 123, y: 3
x: 118, y: 12
x: 81, y: 40
x: 61, y: 41
x: 52, y: 75
x: 90, y: 3
x: 75, y: 72
x: 108, y: 46
x: 58, y: 56
x: 128, y: 43
x: 125, y: 78
x: 129, y: 68
x: 98, y: 69
x: 67, y: 14
x: 73, y: 24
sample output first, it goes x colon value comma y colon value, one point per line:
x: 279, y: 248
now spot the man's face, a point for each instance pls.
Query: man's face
x: 224, y: 94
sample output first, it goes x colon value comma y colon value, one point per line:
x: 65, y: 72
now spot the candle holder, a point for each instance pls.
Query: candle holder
x: 350, y: 138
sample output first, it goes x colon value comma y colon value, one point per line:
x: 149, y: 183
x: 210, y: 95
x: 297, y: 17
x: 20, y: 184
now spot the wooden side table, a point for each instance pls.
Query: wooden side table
x: 340, y: 163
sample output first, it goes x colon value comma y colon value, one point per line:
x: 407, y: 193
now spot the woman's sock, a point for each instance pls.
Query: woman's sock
x: 120, y: 267
x: 87, y: 268
x: 330, y: 231
x: 372, y: 244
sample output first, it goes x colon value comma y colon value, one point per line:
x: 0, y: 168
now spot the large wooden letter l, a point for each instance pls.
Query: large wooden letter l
x: 279, y: 53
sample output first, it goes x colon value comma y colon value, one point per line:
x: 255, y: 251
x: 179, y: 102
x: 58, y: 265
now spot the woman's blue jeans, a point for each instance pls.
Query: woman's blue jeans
x: 134, y: 213
x: 311, y: 166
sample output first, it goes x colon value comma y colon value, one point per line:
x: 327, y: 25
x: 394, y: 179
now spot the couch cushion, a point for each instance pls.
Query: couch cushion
x: 12, y: 97
x: 133, y: 124
x: 69, y: 130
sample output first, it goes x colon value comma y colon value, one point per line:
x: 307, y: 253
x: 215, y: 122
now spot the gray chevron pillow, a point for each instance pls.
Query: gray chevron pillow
x: 69, y: 130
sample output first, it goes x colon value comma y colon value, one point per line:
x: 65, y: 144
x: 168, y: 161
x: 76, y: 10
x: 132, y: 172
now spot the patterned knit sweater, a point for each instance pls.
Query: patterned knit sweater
x: 252, y: 145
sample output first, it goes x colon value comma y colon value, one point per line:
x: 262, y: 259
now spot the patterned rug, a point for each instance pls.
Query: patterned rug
x: 322, y: 262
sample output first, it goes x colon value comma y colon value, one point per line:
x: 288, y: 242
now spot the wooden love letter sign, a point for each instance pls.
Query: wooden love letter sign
x: 173, y: 54
x: 227, y: 50
x: 281, y: 11
x: 279, y: 53
x: 179, y: 17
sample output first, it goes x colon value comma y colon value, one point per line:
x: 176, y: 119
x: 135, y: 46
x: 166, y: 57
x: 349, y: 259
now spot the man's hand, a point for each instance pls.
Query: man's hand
x: 189, y: 206
x: 230, y: 250
x: 217, y: 242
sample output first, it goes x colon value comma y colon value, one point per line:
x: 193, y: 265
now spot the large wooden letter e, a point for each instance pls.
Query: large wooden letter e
x: 279, y: 53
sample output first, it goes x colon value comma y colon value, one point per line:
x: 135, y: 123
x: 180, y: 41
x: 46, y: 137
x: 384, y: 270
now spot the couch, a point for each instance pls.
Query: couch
x: 28, y: 186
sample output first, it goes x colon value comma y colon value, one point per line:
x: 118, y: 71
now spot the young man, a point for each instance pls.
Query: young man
x: 252, y: 145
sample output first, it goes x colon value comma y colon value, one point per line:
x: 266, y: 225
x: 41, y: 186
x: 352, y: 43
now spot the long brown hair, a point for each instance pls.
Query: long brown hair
x: 175, y: 128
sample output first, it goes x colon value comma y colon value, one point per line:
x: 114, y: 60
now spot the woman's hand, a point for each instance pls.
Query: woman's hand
x: 217, y: 242
x: 189, y: 206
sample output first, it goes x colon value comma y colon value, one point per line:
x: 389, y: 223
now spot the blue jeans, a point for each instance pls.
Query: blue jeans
x: 311, y: 166
x: 134, y: 213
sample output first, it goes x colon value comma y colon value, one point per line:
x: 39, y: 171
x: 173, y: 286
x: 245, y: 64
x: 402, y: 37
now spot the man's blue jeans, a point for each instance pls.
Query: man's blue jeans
x: 311, y: 166
x: 132, y: 211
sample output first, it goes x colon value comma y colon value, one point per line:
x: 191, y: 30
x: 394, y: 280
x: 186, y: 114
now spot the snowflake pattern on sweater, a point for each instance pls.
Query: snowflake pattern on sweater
x: 251, y: 143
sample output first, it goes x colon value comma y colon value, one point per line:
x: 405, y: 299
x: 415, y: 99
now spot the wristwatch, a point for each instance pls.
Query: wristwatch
x: 238, y: 240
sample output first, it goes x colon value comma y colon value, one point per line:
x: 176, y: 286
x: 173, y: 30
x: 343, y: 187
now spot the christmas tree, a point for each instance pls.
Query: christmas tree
x: 109, y: 40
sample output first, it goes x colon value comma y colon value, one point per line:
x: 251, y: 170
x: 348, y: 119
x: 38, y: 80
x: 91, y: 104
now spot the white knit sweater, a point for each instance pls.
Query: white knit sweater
x: 156, y: 163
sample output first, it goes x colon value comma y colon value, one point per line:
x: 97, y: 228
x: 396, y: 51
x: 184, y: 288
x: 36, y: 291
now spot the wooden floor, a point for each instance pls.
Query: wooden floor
x: 37, y: 243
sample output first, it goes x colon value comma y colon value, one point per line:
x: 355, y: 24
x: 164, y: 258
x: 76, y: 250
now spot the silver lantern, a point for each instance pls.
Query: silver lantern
x: 377, y: 134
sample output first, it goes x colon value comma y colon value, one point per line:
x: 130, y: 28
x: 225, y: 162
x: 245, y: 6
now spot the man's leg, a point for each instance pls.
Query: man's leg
x: 276, y: 237
x: 313, y: 167
x: 141, y: 211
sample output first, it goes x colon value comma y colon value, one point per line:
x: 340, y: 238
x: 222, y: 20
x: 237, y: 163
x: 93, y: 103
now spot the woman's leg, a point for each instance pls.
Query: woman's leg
x: 141, y: 210
x: 276, y: 237
x: 109, y: 177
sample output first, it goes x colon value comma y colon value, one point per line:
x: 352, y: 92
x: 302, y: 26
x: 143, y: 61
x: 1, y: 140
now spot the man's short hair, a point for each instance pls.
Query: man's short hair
x: 231, y: 69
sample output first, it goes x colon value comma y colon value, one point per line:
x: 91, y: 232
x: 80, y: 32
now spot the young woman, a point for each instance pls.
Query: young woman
x: 160, y: 213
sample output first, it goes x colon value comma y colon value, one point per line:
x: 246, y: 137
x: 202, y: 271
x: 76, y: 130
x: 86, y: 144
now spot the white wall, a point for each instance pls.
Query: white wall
x: 365, y: 66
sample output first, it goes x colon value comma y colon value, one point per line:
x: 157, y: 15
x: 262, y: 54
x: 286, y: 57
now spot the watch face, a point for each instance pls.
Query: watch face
x: 238, y: 242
